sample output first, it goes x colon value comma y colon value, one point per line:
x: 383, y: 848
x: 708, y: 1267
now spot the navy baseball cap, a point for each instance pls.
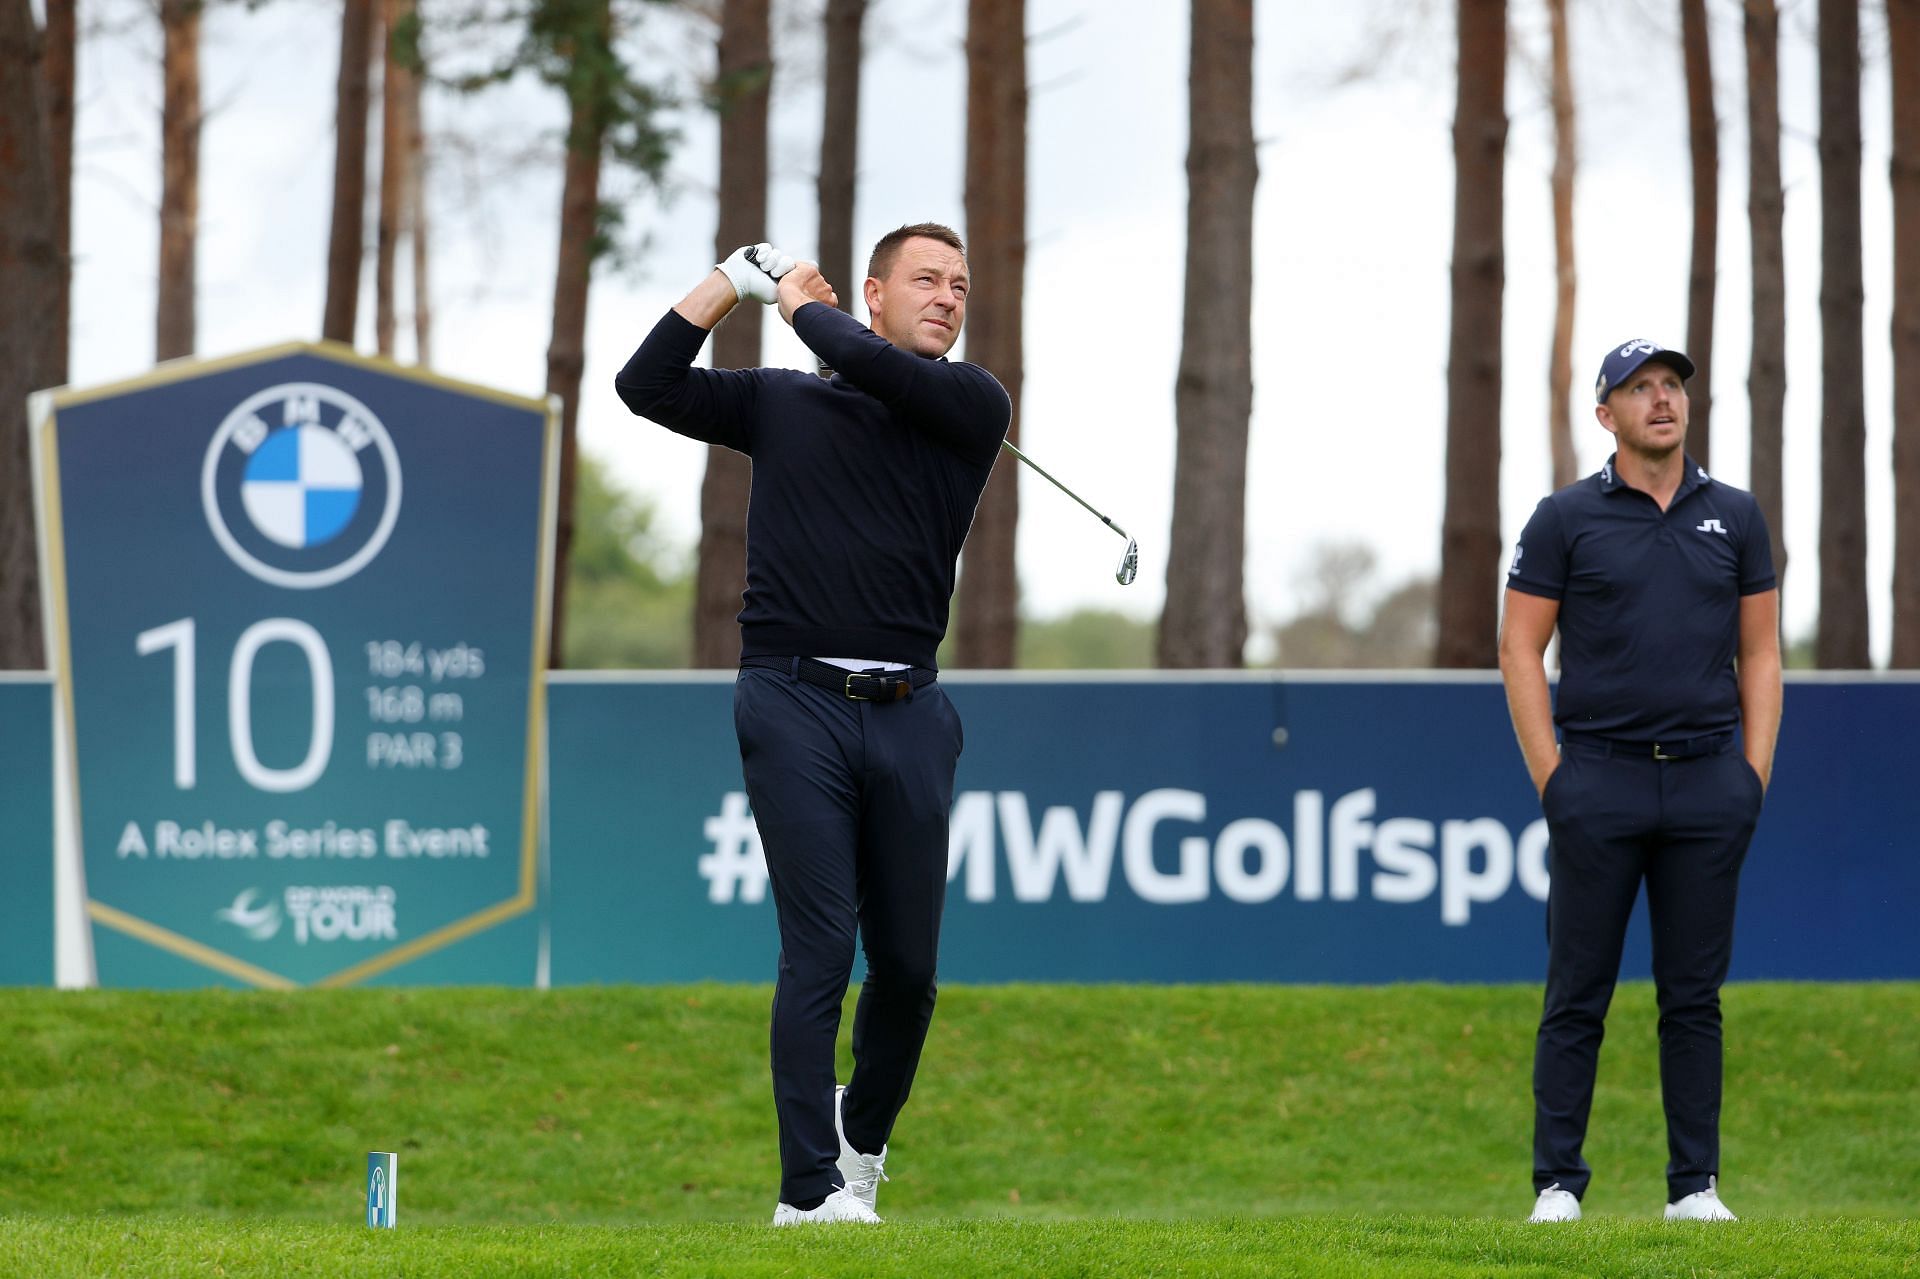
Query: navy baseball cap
x: 1628, y: 356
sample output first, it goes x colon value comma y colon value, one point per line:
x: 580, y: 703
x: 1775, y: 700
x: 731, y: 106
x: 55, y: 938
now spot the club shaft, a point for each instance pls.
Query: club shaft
x: 1008, y: 445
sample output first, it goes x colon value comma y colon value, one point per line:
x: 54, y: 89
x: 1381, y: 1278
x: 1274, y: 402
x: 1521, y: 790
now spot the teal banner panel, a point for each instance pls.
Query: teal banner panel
x: 643, y: 783
x: 300, y: 605
x: 26, y: 830
x: 1240, y: 828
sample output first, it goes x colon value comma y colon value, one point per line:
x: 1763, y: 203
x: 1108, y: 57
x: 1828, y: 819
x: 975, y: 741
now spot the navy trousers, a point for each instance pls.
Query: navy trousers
x: 851, y: 799
x: 1682, y: 825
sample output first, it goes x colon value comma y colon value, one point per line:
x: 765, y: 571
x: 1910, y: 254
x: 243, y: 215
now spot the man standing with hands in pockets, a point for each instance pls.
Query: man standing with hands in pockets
x: 864, y: 487
x: 1661, y: 583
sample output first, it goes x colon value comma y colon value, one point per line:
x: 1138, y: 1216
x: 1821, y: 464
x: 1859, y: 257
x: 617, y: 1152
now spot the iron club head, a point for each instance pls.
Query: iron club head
x: 1130, y: 561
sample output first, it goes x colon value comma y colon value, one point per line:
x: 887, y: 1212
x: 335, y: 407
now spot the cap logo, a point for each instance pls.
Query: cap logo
x: 1638, y: 344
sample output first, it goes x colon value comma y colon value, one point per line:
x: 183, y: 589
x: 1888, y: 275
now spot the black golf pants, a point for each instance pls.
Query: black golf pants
x: 1683, y: 827
x: 851, y: 799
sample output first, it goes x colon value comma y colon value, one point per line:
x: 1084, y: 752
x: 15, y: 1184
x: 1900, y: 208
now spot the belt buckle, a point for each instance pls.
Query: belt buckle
x: 1660, y: 754
x: 851, y: 695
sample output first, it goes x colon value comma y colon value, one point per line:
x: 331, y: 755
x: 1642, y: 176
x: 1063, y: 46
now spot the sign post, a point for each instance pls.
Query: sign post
x: 297, y: 612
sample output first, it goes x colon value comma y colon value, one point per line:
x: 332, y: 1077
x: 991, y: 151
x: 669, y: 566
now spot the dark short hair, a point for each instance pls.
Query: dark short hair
x: 888, y: 248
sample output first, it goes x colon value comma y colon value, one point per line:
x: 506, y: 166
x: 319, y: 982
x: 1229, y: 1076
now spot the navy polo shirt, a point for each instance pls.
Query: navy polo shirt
x: 1649, y: 601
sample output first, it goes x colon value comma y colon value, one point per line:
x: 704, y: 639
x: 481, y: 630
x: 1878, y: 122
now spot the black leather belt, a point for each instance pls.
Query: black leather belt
x: 1675, y: 748
x: 857, y: 686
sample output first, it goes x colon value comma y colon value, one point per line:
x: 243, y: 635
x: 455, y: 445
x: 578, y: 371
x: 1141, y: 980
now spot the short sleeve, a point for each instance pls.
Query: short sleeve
x: 1756, y: 555
x: 1540, y: 556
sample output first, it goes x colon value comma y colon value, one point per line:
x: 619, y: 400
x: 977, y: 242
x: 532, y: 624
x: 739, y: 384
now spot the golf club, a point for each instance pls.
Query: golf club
x: 1130, y: 559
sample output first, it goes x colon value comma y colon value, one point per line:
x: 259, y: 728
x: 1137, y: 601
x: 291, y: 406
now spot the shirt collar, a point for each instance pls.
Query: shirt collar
x: 1695, y: 476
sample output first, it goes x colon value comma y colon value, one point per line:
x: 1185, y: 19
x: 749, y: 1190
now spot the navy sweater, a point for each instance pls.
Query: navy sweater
x: 864, y: 485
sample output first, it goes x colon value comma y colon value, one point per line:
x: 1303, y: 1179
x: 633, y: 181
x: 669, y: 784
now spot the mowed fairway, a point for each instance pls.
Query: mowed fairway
x: 1054, y: 1130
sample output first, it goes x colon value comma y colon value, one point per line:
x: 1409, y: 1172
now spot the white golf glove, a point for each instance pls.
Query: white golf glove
x: 753, y: 269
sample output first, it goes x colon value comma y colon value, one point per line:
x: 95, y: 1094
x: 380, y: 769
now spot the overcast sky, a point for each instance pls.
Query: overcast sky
x: 1353, y: 233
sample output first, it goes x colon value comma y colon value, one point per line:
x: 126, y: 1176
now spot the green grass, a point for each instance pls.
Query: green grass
x: 1409, y: 1247
x: 1054, y: 1130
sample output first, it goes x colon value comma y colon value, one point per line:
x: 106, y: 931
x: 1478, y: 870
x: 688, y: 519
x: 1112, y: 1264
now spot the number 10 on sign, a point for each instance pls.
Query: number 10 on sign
x: 178, y: 636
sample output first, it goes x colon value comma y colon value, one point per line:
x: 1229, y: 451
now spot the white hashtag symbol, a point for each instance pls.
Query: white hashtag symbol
x: 736, y: 862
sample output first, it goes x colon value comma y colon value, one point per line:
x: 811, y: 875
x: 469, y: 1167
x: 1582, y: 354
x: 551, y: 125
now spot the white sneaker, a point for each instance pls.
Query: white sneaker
x: 1701, y: 1205
x: 839, y: 1206
x: 1555, y: 1204
x: 863, y: 1173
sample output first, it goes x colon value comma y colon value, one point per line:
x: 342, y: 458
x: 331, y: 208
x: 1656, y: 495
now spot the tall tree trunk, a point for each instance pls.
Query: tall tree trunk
x: 840, y: 148
x: 30, y: 267
x: 740, y: 95
x: 1703, y: 136
x: 1566, y: 148
x: 1766, y: 206
x: 1842, y: 642
x: 58, y: 64
x: 1470, y: 526
x: 347, y: 235
x: 1903, y: 38
x: 987, y: 608
x: 394, y: 179
x: 573, y: 273
x: 417, y: 220
x: 1204, y: 623
x: 179, y: 177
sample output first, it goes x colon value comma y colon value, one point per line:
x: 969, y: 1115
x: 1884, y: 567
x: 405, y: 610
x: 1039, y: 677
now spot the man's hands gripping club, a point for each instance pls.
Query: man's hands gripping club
x: 765, y: 274
x: 759, y: 272
x: 754, y: 270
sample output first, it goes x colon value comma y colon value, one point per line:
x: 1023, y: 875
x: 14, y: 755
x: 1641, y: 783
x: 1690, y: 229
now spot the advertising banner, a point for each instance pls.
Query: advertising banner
x: 1243, y: 828
x: 297, y: 608
x: 26, y: 830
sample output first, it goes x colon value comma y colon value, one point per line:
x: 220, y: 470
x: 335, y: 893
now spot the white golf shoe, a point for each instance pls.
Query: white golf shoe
x: 839, y: 1206
x: 1555, y: 1204
x: 863, y: 1173
x: 1701, y: 1205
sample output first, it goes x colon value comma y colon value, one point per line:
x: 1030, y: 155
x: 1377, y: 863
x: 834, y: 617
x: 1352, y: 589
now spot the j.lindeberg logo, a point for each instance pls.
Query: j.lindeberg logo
x: 301, y: 485
x: 1710, y: 526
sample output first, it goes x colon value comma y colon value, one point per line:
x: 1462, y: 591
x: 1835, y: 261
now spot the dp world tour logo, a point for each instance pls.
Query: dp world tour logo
x: 301, y: 485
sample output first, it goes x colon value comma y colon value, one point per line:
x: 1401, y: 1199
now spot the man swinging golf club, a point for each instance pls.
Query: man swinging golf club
x: 864, y: 486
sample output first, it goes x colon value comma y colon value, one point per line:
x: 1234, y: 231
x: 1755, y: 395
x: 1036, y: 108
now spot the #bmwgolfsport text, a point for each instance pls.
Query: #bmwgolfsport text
x: 1336, y: 851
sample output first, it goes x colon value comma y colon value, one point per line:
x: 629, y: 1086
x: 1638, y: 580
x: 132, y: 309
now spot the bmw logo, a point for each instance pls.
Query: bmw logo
x: 301, y: 485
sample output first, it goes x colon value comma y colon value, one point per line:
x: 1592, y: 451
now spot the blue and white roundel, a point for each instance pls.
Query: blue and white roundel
x: 301, y: 486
